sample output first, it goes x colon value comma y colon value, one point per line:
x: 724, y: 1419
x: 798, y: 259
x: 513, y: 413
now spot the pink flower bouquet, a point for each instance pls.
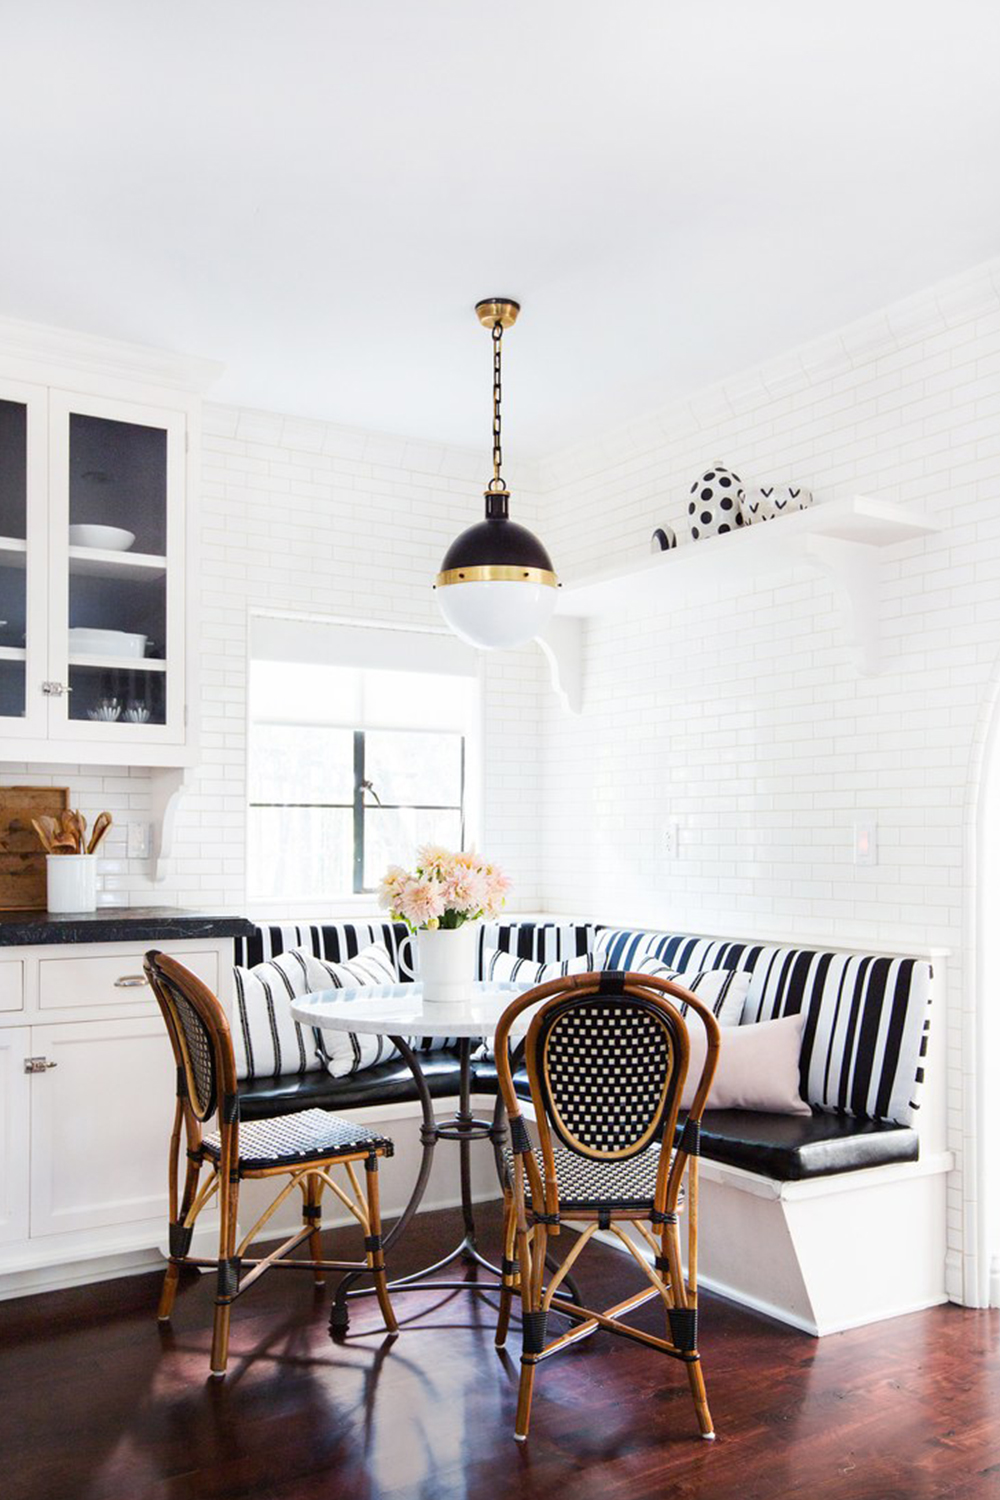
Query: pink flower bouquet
x: 444, y: 891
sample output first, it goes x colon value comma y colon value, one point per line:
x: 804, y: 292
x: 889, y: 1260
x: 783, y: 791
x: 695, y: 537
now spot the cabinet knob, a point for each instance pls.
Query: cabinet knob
x: 130, y: 981
x: 38, y: 1064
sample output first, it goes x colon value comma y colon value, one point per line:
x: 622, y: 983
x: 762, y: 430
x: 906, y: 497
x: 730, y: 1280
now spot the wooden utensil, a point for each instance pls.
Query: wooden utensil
x: 44, y: 827
x: 54, y: 835
x: 101, y: 825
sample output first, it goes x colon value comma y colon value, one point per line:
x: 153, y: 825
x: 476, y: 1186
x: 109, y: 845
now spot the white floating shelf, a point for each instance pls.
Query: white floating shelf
x: 838, y: 539
x: 674, y: 577
x: 97, y: 562
x: 120, y: 663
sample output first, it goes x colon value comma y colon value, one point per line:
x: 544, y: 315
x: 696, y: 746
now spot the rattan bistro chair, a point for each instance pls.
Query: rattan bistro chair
x: 305, y: 1147
x: 607, y: 1055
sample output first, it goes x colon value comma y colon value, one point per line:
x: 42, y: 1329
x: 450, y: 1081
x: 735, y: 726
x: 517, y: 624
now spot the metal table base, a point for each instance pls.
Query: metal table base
x: 464, y: 1128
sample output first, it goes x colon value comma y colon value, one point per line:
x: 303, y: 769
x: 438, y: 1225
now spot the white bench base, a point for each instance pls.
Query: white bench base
x: 827, y: 1254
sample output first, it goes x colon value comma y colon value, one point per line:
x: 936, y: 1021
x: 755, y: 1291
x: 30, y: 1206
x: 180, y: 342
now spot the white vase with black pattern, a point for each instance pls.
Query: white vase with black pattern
x: 714, y: 503
x: 763, y: 502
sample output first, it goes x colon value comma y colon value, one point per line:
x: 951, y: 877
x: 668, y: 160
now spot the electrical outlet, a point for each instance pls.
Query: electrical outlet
x: 671, y: 838
x: 139, y: 844
x: 866, y: 842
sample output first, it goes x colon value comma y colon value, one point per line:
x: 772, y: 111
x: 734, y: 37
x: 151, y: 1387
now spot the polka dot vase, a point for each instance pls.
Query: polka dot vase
x: 714, y: 504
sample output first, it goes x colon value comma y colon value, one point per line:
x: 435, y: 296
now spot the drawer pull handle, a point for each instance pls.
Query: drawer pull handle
x: 130, y: 981
x: 38, y: 1064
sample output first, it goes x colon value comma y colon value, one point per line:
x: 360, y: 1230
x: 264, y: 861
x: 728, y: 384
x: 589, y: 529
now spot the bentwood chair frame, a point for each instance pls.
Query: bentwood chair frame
x: 304, y: 1147
x: 604, y: 1134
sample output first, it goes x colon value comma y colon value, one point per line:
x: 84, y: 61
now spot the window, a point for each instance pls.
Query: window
x: 352, y: 766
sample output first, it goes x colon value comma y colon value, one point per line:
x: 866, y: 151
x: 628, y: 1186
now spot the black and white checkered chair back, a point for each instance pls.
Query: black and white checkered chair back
x: 196, y: 1043
x: 608, y: 1068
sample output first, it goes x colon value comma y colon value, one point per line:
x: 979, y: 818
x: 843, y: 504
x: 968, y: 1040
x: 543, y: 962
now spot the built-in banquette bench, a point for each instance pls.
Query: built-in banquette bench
x: 825, y: 1220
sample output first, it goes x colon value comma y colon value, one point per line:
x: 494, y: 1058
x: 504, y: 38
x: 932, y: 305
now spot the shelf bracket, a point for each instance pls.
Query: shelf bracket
x: 852, y: 568
x: 562, y: 646
x: 168, y: 788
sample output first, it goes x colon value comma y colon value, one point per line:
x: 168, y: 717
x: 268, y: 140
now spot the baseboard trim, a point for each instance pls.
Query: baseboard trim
x: 109, y: 1265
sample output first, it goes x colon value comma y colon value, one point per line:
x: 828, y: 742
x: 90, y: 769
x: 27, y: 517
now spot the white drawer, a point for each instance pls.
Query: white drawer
x: 113, y: 979
x: 11, y: 984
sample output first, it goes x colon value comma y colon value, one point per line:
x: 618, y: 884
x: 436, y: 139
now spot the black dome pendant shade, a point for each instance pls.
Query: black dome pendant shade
x: 475, y: 591
x: 498, y: 543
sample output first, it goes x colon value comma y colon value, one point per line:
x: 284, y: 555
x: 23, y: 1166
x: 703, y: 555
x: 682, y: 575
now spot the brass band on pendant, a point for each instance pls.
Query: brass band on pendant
x: 497, y: 573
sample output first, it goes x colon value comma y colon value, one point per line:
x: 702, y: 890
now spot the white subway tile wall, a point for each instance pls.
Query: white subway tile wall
x: 743, y: 719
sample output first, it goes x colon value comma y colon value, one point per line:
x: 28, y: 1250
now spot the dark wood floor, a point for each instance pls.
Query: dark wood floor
x: 95, y: 1403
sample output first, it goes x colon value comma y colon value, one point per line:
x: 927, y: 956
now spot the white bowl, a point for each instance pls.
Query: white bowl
x: 84, y: 642
x: 108, y: 538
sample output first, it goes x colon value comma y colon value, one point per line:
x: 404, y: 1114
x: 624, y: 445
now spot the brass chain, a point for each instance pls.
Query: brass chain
x: 496, y: 483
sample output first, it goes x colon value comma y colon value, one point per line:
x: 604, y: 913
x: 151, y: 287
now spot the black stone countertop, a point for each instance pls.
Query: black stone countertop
x: 116, y: 924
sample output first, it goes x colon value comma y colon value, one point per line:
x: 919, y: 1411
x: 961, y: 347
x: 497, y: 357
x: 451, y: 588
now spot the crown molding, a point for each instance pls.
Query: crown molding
x: 946, y: 304
x: 46, y: 352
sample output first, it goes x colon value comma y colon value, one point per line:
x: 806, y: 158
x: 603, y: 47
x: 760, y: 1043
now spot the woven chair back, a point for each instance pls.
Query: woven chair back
x: 608, y: 1067
x: 198, y: 1030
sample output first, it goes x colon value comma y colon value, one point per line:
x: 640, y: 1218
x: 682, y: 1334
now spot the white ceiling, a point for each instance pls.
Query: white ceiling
x: 316, y: 191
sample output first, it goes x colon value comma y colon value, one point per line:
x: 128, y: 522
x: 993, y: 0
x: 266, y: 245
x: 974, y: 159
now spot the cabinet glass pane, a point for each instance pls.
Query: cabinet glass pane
x: 118, y: 577
x: 13, y: 469
x: 126, y: 695
x: 13, y: 556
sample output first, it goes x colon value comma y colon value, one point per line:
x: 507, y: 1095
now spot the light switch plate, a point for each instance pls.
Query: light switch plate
x: 139, y: 844
x: 671, y: 842
x: 866, y: 842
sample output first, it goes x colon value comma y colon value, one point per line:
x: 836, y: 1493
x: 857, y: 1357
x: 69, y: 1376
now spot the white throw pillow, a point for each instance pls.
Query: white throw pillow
x: 758, y: 1068
x: 267, y: 1041
x: 722, y: 990
x: 347, y: 1052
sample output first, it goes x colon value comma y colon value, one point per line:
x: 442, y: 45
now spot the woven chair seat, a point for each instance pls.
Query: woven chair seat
x: 310, y: 1135
x: 628, y: 1185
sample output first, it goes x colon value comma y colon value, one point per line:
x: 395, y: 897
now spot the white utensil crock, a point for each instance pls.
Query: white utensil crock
x: 446, y: 963
x: 72, y: 882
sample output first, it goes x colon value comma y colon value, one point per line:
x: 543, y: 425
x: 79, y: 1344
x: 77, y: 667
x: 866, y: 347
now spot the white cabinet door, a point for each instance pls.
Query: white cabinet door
x: 117, y: 547
x: 100, y: 1124
x: 23, y: 561
x: 14, y: 1159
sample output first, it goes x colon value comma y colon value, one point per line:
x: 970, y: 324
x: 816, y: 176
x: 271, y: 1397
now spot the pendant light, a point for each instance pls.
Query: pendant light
x: 497, y: 587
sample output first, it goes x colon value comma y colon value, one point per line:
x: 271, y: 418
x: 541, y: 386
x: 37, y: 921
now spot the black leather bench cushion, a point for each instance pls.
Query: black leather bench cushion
x: 790, y: 1148
x: 786, y: 1148
x: 388, y: 1083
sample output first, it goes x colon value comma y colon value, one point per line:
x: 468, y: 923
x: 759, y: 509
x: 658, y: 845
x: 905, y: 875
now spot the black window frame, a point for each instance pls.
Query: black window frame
x: 359, y: 806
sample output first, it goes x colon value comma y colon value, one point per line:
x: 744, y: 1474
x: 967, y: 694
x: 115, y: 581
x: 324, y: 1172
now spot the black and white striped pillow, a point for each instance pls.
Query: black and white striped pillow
x: 501, y: 967
x: 347, y: 1052
x: 724, y: 991
x: 267, y: 1041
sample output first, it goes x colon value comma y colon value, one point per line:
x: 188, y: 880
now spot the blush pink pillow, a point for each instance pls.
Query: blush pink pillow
x: 758, y: 1067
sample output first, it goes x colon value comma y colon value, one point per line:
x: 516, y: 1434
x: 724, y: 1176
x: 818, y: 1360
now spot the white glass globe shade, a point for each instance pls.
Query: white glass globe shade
x: 497, y: 616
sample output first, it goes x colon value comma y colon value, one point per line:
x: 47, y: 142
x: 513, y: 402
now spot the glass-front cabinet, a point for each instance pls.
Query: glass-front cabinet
x: 91, y: 572
x: 23, y: 560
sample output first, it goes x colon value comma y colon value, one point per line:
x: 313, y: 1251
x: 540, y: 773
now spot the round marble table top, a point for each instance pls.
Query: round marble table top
x: 400, y: 1010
